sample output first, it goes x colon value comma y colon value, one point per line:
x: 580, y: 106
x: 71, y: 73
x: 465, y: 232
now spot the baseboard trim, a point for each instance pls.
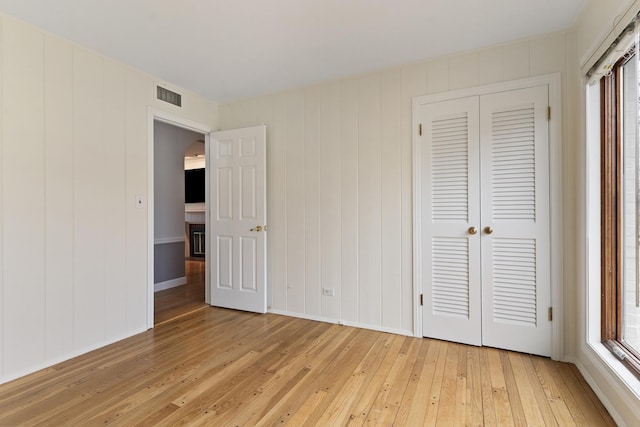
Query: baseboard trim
x: 343, y: 322
x: 55, y: 360
x: 168, y: 284
x: 167, y: 240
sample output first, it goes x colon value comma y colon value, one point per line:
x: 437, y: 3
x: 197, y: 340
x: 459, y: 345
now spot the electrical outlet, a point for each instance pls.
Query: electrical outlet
x: 328, y: 292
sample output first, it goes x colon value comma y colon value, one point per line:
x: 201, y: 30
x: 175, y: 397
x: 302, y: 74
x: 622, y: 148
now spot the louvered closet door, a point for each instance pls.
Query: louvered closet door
x: 515, y: 204
x: 450, y: 188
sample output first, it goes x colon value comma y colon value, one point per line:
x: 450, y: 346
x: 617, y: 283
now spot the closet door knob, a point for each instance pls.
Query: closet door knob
x: 472, y: 230
x: 488, y: 230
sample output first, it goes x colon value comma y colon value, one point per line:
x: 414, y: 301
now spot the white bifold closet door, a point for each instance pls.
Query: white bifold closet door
x: 486, y: 253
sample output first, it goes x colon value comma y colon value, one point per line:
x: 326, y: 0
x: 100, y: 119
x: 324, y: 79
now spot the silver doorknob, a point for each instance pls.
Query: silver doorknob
x: 488, y: 230
x: 472, y: 230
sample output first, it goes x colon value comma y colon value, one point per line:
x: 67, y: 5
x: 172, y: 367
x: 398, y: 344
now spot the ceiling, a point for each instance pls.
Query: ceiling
x: 232, y: 49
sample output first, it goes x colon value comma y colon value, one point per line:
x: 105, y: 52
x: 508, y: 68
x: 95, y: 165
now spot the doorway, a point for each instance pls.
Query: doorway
x: 179, y: 218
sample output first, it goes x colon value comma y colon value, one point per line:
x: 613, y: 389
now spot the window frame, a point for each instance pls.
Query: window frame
x: 611, y: 219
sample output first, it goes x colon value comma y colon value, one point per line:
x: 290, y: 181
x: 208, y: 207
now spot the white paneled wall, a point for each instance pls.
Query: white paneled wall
x: 73, y: 155
x: 339, y: 180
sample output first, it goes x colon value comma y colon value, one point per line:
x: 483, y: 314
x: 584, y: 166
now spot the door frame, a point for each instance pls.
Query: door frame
x: 154, y: 114
x: 555, y: 195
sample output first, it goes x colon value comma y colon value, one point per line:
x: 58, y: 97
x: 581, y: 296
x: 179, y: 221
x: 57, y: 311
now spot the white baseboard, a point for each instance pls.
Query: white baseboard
x: 166, y: 240
x: 70, y: 355
x: 168, y: 284
x: 343, y: 322
x: 598, y: 367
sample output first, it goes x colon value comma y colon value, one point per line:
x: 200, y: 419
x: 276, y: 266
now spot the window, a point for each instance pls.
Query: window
x: 620, y: 204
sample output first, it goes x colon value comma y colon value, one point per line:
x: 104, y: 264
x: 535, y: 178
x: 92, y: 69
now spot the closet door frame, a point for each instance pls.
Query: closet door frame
x: 553, y: 81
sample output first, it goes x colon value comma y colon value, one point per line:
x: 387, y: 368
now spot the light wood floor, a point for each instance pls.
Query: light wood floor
x: 221, y: 367
x: 174, y: 302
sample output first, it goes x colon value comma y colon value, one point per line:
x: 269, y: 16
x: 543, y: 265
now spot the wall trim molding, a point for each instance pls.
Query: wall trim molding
x: 168, y: 284
x: 360, y: 325
x: 166, y: 240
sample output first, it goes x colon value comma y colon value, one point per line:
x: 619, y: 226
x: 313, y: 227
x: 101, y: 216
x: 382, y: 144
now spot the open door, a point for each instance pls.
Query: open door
x: 238, y: 215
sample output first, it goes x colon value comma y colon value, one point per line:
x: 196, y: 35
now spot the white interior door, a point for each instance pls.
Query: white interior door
x: 451, y: 220
x: 516, y: 278
x: 238, y: 214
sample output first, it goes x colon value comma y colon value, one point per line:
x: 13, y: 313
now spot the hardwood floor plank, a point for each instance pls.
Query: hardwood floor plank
x: 433, y: 407
x: 487, y: 391
x: 343, y: 406
x: 526, y: 394
x: 448, y: 405
x: 595, y: 402
x: 409, y: 396
x: 175, y: 302
x: 380, y: 387
x: 538, y: 386
x: 587, y: 413
x: 420, y: 401
x: 474, y: 388
x: 224, y: 367
x: 515, y: 401
x: 559, y: 402
x: 398, y: 381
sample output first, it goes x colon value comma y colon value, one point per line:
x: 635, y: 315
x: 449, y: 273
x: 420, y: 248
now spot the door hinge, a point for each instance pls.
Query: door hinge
x: 421, y: 299
x: 548, y: 113
x: 550, y: 314
x: 420, y: 129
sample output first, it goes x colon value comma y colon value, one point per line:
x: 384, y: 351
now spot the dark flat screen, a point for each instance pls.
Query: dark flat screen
x: 194, y: 186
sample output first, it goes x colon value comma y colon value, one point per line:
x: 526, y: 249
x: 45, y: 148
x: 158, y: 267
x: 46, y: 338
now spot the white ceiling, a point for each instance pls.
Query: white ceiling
x: 232, y: 49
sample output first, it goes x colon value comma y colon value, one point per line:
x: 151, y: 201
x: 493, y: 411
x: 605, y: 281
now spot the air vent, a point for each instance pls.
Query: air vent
x: 168, y: 96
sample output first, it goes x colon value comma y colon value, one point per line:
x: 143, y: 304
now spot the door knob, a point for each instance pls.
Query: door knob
x: 488, y: 230
x: 258, y: 228
x: 472, y: 230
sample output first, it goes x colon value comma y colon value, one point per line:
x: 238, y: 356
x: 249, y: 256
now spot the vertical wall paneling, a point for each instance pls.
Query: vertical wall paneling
x: 23, y: 197
x: 463, y: 71
x: 547, y: 53
x: 138, y: 87
x: 369, y: 200
x: 89, y: 171
x: 73, y: 156
x: 295, y: 202
x: 330, y: 199
x: 490, y: 65
x: 349, y: 183
x: 340, y: 192
x: 391, y: 194
x: 312, y: 201
x: 277, y: 205
x: 113, y: 140
x: 516, y: 61
x: 414, y: 83
x: 437, y: 76
x: 58, y: 60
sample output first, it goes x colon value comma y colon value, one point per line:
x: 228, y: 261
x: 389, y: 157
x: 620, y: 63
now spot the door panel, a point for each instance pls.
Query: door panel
x: 238, y: 219
x: 515, y: 193
x: 450, y: 152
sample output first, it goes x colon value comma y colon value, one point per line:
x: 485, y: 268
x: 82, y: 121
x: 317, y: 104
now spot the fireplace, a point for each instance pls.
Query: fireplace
x: 197, y: 240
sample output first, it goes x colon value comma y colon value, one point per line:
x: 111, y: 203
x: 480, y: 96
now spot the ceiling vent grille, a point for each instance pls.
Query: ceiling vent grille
x: 168, y: 96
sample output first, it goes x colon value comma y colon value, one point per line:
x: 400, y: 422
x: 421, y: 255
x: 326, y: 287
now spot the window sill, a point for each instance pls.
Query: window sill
x: 617, y: 368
